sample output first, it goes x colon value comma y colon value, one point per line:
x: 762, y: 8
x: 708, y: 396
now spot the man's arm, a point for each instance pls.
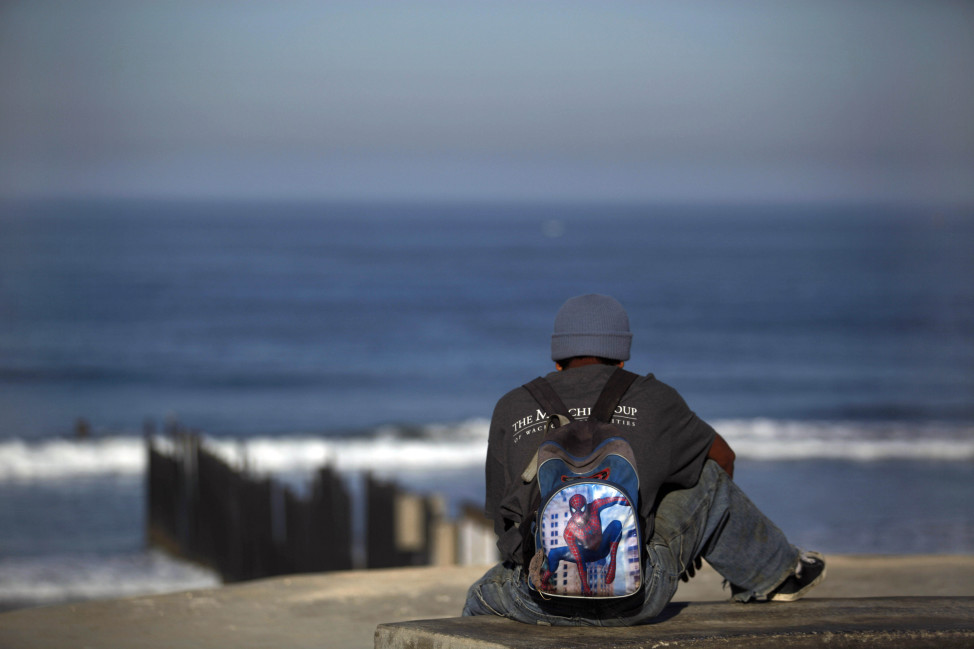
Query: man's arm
x: 723, y: 454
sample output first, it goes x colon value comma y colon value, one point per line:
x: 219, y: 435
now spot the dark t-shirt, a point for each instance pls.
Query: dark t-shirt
x: 669, y: 441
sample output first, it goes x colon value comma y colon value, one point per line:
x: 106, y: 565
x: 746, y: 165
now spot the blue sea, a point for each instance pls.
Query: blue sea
x: 832, y: 345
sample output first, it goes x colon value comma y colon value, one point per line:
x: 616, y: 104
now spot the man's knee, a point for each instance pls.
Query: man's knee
x: 682, y: 511
x: 487, y: 596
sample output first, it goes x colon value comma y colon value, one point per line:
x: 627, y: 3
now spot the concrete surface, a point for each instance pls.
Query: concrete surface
x: 890, y: 623
x: 343, y: 610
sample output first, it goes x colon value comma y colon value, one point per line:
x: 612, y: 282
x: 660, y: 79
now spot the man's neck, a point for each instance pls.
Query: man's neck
x: 582, y: 361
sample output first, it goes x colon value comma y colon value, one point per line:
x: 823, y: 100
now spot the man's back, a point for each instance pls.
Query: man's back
x: 670, y: 442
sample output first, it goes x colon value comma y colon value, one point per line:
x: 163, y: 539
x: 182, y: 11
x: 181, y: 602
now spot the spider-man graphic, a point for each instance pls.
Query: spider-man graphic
x: 586, y: 539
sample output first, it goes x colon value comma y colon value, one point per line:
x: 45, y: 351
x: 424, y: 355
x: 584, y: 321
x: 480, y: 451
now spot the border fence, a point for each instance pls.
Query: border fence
x: 247, y: 526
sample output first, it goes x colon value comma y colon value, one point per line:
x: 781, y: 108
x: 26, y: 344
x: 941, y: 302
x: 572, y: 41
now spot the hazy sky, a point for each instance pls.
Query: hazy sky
x: 772, y: 100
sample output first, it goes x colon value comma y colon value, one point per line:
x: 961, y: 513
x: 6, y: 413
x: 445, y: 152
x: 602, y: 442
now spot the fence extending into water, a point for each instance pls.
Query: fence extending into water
x: 247, y: 526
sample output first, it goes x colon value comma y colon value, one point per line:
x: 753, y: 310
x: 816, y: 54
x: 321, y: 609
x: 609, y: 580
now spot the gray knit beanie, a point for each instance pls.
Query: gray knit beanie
x: 591, y: 325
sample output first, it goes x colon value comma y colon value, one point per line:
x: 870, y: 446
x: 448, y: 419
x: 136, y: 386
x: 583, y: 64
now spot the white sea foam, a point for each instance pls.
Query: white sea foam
x: 462, y: 446
x: 64, y: 458
x: 379, y: 454
x: 765, y: 439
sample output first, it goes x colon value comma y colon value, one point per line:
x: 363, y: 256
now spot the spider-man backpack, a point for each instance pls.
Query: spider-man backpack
x: 587, y: 530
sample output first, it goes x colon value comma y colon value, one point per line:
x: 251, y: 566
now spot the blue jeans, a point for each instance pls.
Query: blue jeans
x: 713, y: 519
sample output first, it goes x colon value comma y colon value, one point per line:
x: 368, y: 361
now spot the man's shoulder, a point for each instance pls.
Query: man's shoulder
x: 514, y: 399
x: 594, y: 377
x: 515, y: 394
x: 652, y: 385
x: 588, y: 379
x: 587, y: 382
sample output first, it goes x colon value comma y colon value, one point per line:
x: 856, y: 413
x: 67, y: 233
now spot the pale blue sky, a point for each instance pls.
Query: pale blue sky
x: 772, y: 100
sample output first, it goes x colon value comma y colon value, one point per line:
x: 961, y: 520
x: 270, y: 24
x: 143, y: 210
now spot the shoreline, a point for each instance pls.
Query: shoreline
x: 343, y: 609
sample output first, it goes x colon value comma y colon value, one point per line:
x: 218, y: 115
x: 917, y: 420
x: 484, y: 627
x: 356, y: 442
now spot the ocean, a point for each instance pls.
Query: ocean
x: 832, y: 345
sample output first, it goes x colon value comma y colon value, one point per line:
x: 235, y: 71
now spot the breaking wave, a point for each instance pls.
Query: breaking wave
x: 461, y: 446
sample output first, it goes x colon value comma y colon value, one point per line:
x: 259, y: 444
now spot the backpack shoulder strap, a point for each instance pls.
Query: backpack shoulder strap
x: 615, y: 387
x: 546, y: 397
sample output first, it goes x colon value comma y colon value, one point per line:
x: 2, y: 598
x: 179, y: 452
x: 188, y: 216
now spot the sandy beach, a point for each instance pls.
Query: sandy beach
x: 342, y: 609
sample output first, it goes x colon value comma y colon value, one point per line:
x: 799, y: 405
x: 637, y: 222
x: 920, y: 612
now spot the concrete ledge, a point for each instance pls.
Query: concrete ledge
x: 341, y: 610
x: 868, y: 622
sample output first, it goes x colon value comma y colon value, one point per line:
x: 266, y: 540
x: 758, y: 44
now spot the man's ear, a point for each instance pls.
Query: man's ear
x: 559, y: 367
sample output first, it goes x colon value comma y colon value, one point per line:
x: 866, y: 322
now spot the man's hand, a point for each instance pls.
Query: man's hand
x: 691, y: 570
